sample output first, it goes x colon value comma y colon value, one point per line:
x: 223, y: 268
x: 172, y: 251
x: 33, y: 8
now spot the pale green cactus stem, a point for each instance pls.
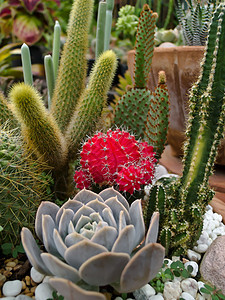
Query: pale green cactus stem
x: 108, y: 23
x: 50, y: 77
x: 26, y: 63
x: 56, y: 48
x: 100, y: 34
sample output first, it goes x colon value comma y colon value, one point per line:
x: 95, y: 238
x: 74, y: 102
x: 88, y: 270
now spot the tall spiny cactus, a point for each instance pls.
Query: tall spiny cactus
x: 75, y: 111
x: 73, y: 66
x: 39, y: 128
x: 23, y: 184
x: 185, y: 199
x: 138, y: 102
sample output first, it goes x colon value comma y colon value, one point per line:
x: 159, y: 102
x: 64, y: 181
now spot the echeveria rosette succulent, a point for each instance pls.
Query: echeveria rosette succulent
x: 115, y: 158
x: 94, y: 239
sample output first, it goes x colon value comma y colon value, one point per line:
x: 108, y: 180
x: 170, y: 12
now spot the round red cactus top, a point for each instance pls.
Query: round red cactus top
x: 115, y: 158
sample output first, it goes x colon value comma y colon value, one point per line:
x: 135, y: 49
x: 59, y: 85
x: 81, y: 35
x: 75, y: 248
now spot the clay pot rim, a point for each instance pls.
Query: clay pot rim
x: 176, y: 49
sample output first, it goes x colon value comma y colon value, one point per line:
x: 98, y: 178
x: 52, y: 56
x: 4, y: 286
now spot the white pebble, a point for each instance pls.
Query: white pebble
x: 203, y: 238
x: 201, y: 248
x: 12, y: 288
x: 144, y: 293
x: 156, y: 297
x: 172, y: 290
x: 217, y: 217
x: 175, y: 258
x: 194, y: 266
x: 36, y: 276
x: 9, y: 298
x: 194, y: 256
x: 160, y: 171
x: 43, y: 291
x: 118, y: 298
x: 190, y: 286
x: 213, y: 236
x: 219, y: 231
x: 187, y: 296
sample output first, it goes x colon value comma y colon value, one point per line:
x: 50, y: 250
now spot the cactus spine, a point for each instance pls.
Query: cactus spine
x: 139, y: 109
x: 73, y: 66
x: 187, y: 198
x: 23, y: 184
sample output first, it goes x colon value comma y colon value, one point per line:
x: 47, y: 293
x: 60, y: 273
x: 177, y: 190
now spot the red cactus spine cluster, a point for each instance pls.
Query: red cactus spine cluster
x: 115, y: 158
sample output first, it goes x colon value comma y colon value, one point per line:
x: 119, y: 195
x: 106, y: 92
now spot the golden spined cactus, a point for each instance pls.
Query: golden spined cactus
x: 73, y: 65
x: 91, y: 102
x: 39, y: 129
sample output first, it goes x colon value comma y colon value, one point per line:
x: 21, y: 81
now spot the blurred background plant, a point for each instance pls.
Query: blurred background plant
x: 26, y: 21
x: 194, y: 18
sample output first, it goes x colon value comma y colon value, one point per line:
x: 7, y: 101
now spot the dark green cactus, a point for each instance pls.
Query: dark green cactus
x: 139, y: 109
x: 186, y: 198
x: 158, y: 116
x: 23, y: 184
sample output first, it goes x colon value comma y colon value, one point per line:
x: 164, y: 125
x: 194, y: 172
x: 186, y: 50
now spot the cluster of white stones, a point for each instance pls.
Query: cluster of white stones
x: 212, y: 228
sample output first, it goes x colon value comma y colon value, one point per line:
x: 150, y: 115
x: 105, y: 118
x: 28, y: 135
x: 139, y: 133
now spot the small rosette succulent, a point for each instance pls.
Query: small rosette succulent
x: 94, y: 240
x: 115, y: 158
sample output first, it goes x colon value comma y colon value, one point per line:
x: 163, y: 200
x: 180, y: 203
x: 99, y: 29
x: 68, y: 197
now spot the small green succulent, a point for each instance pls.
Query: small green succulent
x: 212, y: 291
x: 166, y: 273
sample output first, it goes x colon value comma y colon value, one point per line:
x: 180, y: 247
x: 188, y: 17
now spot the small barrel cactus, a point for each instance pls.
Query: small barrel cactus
x: 115, y: 158
x: 23, y: 184
x: 94, y: 239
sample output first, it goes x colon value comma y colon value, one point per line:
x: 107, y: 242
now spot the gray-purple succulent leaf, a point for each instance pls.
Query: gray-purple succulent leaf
x: 33, y: 252
x: 96, y: 240
x: 72, y: 291
x: 153, y: 230
x: 45, y: 208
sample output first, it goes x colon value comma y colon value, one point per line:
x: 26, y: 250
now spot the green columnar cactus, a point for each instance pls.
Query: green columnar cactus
x: 144, y: 46
x: 158, y: 117
x: 39, y: 129
x: 6, y: 115
x: 91, y: 102
x: 187, y: 197
x: 22, y: 185
x: 136, y: 109
x: 70, y: 82
x: 207, y: 112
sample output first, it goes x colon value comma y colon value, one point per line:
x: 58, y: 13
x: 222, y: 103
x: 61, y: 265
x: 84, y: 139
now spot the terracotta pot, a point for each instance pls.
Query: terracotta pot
x: 182, y: 66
